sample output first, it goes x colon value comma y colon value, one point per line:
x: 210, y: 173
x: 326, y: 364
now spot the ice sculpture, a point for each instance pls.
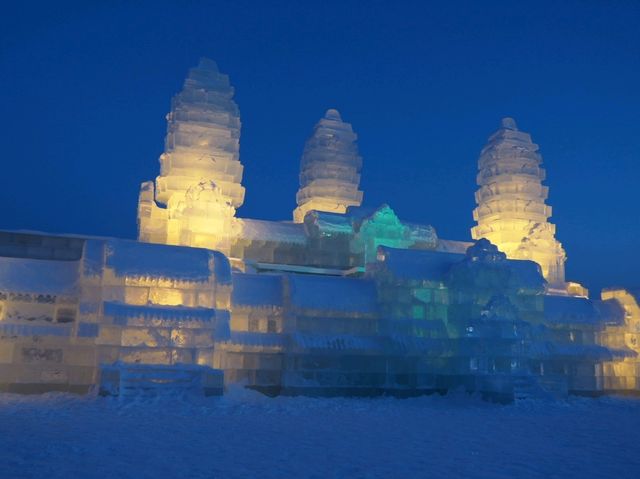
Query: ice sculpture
x: 382, y: 226
x: 343, y: 300
x: 329, y: 169
x: 511, y: 210
x: 193, y: 201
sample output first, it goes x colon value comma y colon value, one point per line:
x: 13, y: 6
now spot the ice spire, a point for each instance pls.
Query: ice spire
x: 329, y: 168
x: 511, y: 211
x: 193, y: 201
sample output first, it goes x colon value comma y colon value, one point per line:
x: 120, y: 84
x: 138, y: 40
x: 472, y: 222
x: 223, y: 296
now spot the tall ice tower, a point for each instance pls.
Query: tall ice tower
x: 511, y: 211
x: 193, y: 201
x: 329, y: 169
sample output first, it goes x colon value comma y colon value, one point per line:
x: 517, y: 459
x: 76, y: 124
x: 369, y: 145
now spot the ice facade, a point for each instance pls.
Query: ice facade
x: 329, y: 169
x: 145, y: 314
x: 511, y: 211
x: 344, y: 300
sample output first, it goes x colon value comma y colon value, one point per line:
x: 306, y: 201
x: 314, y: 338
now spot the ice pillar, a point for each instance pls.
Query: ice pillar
x: 511, y: 211
x: 193, y: 201
x: 329, y: 169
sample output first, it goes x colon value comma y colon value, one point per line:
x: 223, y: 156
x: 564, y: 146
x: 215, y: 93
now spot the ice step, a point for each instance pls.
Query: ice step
x: 136, y: 381
x: 526, y: 387
x: 152, y: 380
x: 539, y: 387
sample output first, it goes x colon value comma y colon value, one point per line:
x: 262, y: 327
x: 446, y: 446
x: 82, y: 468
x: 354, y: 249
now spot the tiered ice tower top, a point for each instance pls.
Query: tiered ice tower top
x: 194, y: 199
x: 511, y: 211
x: 203, y: 137
x: 329, y: 169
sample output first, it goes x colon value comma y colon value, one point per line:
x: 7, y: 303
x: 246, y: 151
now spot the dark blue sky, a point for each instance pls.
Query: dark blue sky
x: 84, y: 89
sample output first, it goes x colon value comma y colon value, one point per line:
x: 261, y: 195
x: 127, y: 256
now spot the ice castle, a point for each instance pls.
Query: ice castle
x: 343, y: 300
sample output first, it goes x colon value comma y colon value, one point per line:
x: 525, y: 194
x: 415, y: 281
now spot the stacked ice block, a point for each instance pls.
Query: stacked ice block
x: 193, y: 201
x: 329, y: 169
x: 511, y: 211
x: 70, y: 307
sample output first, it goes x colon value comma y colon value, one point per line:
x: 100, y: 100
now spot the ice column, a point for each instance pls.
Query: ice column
x: 511, y: 211
x: 329, y: 169
x: 194, y: 199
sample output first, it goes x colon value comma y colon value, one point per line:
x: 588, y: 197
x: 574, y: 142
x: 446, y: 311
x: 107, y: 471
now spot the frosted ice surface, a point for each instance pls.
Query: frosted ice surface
x: 328, y: 223
x: 452, y: 246
x: 611, y: 312
x: 252, y: 339
x: 339, y: 342
x: 416, y: 264
x: 333, y: 293
x: 130, y: 258
x: 39, y: 276
x: 281, y: 232
x: 257, y: 290
x: 137, y: 315
x: 27, y: 330
x: 526, y: 273
x: 582, y: 311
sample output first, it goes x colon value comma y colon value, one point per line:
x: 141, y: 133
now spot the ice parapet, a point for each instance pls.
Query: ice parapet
x: 329, y: 169
x: 511, y: 210
x: 194, y: 199
x: 622, y: 374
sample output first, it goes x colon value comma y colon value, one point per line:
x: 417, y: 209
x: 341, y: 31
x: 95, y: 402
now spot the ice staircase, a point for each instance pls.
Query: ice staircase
x: 528, y: 386
x: 127, y: 380
x: 525, y: 387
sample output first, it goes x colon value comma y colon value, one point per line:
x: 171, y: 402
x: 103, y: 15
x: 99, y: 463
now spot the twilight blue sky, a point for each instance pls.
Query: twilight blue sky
x: 84, y: 89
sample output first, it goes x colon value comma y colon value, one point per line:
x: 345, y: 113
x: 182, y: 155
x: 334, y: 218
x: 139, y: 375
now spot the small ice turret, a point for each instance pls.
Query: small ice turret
x: 511, y: 211
x: 202, y: 154
x: 329, y: 169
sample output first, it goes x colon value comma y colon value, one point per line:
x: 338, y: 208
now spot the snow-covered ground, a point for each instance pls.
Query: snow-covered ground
x: 245, y: 434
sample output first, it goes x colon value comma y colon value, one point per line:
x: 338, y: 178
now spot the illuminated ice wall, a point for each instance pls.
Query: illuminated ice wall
x: 329, y: 169
x: 511, y: 211
x: 193, y: 201
x: 72, y: 308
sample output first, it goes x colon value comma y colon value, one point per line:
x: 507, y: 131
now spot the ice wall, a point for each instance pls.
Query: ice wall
x: 329, y: 169
x: 511, y: 211
x: 69, y: 307
x: 158, y: 312
x: 145, y: 316
x: 194, y: 199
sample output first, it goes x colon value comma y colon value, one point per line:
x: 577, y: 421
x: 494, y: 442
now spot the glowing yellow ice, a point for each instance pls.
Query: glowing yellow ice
x: 194, y: 200
x: 624, y: 373
x: 511, y: 211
